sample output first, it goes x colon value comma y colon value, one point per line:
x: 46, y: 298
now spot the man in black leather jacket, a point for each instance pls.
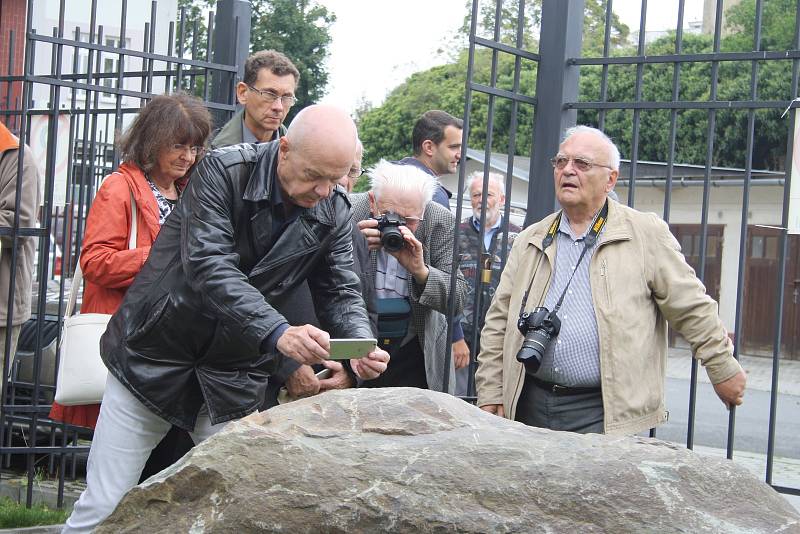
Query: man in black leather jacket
x: 196, y: 336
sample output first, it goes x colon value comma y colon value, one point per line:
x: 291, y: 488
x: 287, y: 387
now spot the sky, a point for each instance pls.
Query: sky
x: 378, y: 44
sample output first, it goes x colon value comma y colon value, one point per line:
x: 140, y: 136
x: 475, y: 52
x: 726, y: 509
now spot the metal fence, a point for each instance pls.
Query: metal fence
x: 77, y: 88
x: 740, y: 158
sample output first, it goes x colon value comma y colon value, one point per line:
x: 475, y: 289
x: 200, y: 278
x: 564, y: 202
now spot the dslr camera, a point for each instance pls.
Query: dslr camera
x: 391, y: 237
x: 540, y: 327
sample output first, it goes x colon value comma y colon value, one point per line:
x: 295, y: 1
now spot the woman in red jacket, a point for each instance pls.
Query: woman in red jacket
x: 159, y: 150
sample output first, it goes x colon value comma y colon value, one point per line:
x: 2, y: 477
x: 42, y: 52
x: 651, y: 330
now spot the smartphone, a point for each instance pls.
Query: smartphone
x: 325, y: 373
x: 344, y: 349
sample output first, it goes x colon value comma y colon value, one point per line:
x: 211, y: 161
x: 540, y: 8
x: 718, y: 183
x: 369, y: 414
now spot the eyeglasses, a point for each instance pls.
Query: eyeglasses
x: 560, y: 161
x: 194, y: 150
x: 270, y: 96
x: 355, y: 173
x: 409, y: 220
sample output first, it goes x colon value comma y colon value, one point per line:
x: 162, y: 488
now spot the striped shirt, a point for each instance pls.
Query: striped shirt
x: 573, y: 359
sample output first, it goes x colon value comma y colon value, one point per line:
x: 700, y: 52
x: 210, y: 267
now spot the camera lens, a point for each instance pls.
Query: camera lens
x: 391, y: 239
x: 532, y: 349
x: 539, y: 328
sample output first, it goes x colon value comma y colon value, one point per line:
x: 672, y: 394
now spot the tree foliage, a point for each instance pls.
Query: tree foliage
x: 298, y: 28
x: 734, y: 84
x: 301, y: 30
x: 386, y: 129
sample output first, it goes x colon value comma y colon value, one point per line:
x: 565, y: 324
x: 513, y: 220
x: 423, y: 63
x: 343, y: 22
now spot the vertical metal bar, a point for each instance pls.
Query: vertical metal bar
x: 84, y: 191
x: 477, y: 278
x: 231, y: 47
x: 556, y: 86
x: 462, y: 170
x: 50, y: 183
x: 71, y: 254
x: 601, y: 120
x: 10, y: 84
x: 145, y: 61
x: 47, y: 211
x: 120, y: 74
x: 23, y: 135
x: 181, y: 36
x: 478, y: 316
x: 193, y: 77
x: 751, y: 119
x: 151, y: 47
x: 170, y: 43
x: 209, y: 43
x: 712, y: 124
x: 776, y: 346
x: 636, y: 112
x: 673, y: 120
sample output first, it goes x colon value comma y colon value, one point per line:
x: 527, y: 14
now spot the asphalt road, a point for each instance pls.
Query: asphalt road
x: 751, y: 424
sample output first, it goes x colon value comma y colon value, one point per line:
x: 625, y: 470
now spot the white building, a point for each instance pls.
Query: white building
x: 75, y: 61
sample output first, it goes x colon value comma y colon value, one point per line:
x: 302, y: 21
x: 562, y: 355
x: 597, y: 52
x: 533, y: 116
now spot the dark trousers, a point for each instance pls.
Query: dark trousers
x: 406, y: 369
x: 582, y: 413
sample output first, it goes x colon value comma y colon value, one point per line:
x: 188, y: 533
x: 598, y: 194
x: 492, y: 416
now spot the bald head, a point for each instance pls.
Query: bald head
x: 317, y: 151
x: 323, y: 126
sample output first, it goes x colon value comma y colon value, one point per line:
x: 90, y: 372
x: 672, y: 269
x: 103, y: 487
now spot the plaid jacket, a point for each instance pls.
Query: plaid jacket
x: 429, y: 304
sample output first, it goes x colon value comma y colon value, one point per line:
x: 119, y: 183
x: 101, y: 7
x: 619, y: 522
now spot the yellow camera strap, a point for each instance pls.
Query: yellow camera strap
x: 588, y: 242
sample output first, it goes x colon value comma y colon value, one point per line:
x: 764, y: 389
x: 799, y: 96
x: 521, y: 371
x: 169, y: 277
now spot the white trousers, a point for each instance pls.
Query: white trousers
x: 125, y: 435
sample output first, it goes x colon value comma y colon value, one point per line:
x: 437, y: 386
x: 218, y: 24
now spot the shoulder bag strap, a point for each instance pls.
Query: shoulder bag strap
x: 78, y: 278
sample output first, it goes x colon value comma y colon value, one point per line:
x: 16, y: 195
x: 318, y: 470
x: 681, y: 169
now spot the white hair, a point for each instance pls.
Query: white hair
x: 390, y: 178
x: 613, y: 151
x: 495, y: 177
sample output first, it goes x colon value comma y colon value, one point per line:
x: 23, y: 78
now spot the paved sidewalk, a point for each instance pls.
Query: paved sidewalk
x: 758, y: 369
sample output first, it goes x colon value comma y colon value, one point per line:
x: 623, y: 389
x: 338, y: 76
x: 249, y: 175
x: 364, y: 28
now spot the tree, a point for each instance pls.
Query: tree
x: 386, y: 130
x: 298, y: 28
x: 301, y: 30
x: 730, y: 136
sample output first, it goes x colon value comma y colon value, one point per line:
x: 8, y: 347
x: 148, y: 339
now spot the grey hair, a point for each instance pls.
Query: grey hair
x: 613, y: 151
x: 385, y: 177
x: 495, y: 177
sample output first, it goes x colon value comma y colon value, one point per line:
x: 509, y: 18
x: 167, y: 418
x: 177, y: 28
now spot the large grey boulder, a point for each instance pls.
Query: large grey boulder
x: 408, y: 460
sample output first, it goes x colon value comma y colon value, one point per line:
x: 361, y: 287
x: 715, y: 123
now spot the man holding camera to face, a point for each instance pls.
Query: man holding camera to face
x: 411, y: 252
x: 576, y: 337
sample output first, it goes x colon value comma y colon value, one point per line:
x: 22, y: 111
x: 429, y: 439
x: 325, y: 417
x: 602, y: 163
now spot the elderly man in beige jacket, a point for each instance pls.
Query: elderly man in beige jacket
x: 614, y: 277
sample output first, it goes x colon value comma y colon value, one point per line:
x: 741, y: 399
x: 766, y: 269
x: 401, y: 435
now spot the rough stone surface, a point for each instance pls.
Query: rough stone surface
x: 408, y: 460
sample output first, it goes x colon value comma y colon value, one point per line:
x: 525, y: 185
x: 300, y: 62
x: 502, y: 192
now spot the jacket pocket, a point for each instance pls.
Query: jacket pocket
x: 606, y: 283
x: 153, y: 317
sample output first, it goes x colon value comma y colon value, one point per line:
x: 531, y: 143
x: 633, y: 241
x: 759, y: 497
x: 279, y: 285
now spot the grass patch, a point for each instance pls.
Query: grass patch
x: 15, y: 515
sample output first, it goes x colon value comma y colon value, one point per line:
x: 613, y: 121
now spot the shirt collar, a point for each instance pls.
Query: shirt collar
x: 249, y: 137
x: 477, y: 223
x: 565, y: 228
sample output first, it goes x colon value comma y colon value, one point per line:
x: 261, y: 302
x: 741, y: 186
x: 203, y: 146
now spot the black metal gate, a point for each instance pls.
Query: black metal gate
x: 66, y: 97
x: 714, y: 137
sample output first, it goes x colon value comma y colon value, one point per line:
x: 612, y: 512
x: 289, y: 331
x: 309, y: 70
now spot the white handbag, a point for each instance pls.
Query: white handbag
x: 81, y: 372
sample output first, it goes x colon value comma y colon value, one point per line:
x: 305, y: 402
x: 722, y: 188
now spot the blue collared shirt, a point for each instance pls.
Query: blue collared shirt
x: 489, y: 233
x: 573, y: 359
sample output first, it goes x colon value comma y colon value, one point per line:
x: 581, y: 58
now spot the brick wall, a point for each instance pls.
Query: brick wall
x: 12, y: 18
